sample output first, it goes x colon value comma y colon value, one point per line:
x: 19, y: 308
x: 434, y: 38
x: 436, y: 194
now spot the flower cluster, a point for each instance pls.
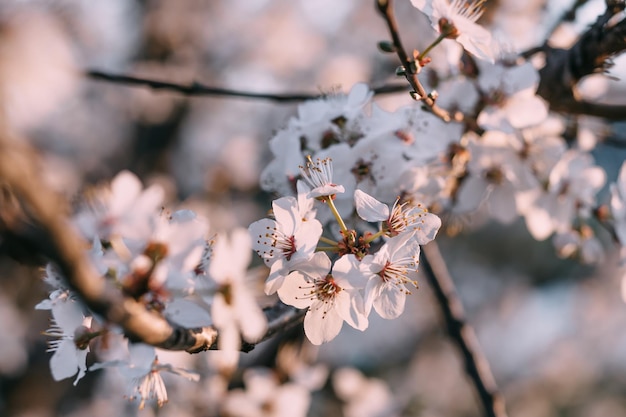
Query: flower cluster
x: 359, y: 191
x: 295, y: 247
x: 168, y: 262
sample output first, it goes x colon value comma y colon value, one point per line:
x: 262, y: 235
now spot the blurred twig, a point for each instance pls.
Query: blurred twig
x: 463, y: 335
x: 32, y: 212
x: 197, y: 89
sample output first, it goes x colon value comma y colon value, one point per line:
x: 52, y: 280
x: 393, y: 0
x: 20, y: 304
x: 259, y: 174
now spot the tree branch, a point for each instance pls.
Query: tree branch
x: 462, y: 333
x: 197, y: 89
x: 411, y: 68
x: 36, y: 215
x: 564, y: 68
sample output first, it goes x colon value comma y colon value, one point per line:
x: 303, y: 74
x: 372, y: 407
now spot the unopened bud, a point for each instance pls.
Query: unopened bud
x: 386, y: 46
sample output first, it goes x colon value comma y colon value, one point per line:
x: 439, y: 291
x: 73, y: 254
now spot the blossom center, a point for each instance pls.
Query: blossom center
x: 279, y: 242
x: 396, y: 273
x: 323, y: 289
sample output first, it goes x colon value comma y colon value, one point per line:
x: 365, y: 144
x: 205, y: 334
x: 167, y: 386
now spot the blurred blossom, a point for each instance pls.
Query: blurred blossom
x: 38, y: 69
x: 571, y: 193
x: 142, y: 372
x: 108, y: 31
x: 264, y: 396
x: 362, y: 396
x: 327, y: 15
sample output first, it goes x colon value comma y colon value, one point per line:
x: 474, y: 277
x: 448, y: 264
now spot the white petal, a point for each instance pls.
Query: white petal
x: 321, y: 327
x: 426, y: 231
x: 524, y: 111
x: 471, y: 194
x: 294, y: 290
x: 347, y: 272
x: 125, y: 188
x: 141, y: 356
x: 307, y: 237
x: 370, y: 209
x: 68, y: 315
x: 250, y: 317
x: 390, y: 302
x: 539, y: 223
x: 284, y: 210
x: 350, y: 307
x: 358, y: 95
x: 64, y: 362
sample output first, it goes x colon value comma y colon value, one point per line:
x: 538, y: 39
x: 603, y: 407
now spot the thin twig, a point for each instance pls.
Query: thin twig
x: 461, y: 332
x: 410, y: 66
x: 197, y: 89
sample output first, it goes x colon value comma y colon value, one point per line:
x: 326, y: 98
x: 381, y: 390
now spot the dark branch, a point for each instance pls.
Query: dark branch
x: 591, y: 54
x: 197, y: 89
x: 463, y: 335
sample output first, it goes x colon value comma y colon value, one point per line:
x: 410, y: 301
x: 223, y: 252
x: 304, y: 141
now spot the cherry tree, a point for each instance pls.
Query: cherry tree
x: 160, y: 297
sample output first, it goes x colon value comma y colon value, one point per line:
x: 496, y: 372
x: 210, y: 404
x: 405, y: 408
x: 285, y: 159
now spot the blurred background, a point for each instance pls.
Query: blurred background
x: 553, y: 330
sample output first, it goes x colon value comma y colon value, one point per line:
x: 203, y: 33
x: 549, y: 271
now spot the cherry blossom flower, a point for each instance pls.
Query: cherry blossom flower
x: 581, y: 244
x: 331, y: 298
x: 287, y: 241
x: 142, y: 371
x: 496, y: 176
x: 319, y: 176
x: 265, y: 397
x: 326, y: 120
x: 373, y: 164
x: 388, y: 271
x: 164, y: 260
x: 280, y: 174
x: 571, y: 192
x: 126, y: 209
x: 70, y: 351
x: 334, y: 118
x: 182, y: 237
x: 402, y: 218
x: 363, y: 397
x: 235, y: 312
x: 511, y: 99
x: 456, y: 19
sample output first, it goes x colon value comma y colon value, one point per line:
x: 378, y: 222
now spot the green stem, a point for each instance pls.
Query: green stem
x: 431, y: 46
x: 333, y: 209
x: 327, y: 249
x: 327, y: 240
x: 374, y: 236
